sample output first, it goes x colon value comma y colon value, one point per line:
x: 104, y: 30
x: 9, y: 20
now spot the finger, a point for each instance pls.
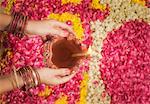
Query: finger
x: 61, y: 80
x: 75, y: 69
x: 77, y: 41
x: 65, y: 26
x: 71, y: 37
x: 59, y: 32
x: 62, y: 72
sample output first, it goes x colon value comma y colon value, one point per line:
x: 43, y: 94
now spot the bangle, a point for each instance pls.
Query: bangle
x: 16, y: 78
x: 29, y: 76
x: 17, y: 25
x: 36, y: 78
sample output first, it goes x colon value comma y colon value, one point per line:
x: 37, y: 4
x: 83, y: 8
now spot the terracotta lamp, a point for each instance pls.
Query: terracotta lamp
x: 63, y: 53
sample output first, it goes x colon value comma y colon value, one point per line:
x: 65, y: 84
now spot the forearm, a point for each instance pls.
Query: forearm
x: 8, y: 83
x: 23, y: 77
x: 5, y: 20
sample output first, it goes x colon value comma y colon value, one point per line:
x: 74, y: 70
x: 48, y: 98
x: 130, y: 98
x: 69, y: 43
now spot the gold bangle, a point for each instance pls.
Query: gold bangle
x: 38, y: 76
x: 30, y: 80
x: 29, y: 76
x: 16, y: 77
x: 34, y: 77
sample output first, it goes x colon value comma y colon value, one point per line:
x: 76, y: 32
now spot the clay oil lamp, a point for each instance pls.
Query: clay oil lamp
x: 64, y: 53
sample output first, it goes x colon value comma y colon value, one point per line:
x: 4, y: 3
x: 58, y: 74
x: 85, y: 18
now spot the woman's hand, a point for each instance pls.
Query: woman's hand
x: 55, y: 76
x: 48, y: 27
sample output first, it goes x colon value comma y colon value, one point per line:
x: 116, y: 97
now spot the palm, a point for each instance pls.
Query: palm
x: 55, y: 76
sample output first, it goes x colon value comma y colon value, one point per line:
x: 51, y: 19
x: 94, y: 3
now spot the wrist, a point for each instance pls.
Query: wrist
x: 30, y: 28
x: 40, y: 75
x: 30, y: 77
x: 19, y: 79
x: 4, y: 21
x: 14, y: 24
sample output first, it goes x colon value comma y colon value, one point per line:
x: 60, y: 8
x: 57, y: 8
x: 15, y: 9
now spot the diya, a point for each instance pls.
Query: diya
x: 63, y: 53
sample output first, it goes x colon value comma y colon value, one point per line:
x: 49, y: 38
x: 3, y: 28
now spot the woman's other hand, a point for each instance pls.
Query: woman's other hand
x: 55, y: 76
x: 48, y: 27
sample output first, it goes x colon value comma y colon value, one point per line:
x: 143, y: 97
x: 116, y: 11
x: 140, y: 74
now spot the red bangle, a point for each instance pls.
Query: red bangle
x: 17, y: 25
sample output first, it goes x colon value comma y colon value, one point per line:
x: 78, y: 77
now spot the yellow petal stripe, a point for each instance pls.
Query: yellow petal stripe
x: 83, y: 89
x: 141, y: 2
x: 47, y: 91
x: 75, y: 19
x: 9, y: 6
x: 96, y: 5
x: 71, y: 1
x: 62, y: 100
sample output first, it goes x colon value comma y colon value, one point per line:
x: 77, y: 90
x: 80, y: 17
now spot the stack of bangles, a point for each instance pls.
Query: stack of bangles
x: 17, y: 25
x: 29, y: 76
